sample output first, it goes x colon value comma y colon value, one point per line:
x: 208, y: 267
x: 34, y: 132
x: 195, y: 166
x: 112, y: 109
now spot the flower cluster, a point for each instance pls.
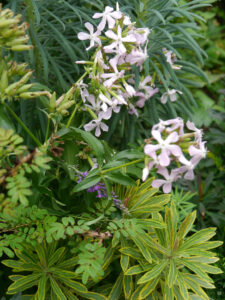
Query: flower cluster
x: 119, y: 46
x: 170, y: 146
x: 101, y: 190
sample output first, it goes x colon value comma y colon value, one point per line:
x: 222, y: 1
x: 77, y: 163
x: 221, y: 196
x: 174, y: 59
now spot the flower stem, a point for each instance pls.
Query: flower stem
x: 73, y: 114
x: 47, y: 130
x: 78, y: 105
x: 22, y: 125
x: 124, y: 165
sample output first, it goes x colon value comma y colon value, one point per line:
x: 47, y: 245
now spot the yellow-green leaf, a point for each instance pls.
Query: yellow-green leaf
x: 24, y: 283
x: 117, y: 288
x: 171, y: 278
x: 56, y: 289
x: 148, y: 288
x: 154, y: 272
x: 127, y: 286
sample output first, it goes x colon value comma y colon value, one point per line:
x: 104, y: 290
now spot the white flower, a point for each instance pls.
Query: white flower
x: 188, y: 166
x: 171, y: 94
x: 198, y: 132
x: 167, y: 182
x: 98, y: 124
x: 165, y: 146
x: 93, y: 37
x: 137, y: 56
x: 112, y: 78
x: 108, y: 15
x: 119, y: 40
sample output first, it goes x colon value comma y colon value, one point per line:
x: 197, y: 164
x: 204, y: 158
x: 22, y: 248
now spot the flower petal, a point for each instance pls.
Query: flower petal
x: 167, y: 187
x: 157, y: 183
x: 83, y: 36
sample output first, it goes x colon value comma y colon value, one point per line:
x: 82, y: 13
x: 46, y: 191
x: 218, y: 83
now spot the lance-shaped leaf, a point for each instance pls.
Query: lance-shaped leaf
x: 156, y: 271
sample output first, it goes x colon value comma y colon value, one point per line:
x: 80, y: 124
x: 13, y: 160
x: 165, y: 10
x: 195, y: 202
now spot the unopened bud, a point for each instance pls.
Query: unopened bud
x: 52, y: 103
x: 21, y: 47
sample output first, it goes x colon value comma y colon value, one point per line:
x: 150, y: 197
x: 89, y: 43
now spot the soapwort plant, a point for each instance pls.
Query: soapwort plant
x: 76, y: 219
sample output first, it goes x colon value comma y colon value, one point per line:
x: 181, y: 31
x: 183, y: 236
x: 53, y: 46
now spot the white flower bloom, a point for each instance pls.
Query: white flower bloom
x: 119, y: 40
x: 137, y: 56
x: 170, y: 94
x: 93, y: 37
x: 108, y: 15
x: 98, y: 125
x: 112, y: 78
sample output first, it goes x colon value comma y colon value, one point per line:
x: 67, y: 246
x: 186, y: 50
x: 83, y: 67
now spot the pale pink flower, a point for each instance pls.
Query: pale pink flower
x: 112, y: 77
x: 170, y: 94
x: 137, y: 56
x: 98, y: 125
x: 165, y: 146
x: 130, y: 90
x: 188, y: 166
x: 141, y: 35
x: 93, y: 37
x: 171, y: 58
x: 199, y: 152
x: 198, y: 132
x: 167, y: 182
x: 108, y: 15
x: 119, y: 40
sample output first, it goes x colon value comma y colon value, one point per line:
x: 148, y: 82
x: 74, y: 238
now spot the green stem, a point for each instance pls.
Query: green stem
x: 78, y: 105
x: 121, y: 166
x: 73, y: 113
x: 47, y: 130
x: 23, y: 125
x: 92, y: 113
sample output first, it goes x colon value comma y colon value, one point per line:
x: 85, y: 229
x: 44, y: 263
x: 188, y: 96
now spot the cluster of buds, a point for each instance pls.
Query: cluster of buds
x: 13, y: 35
x: 62, y: 104
x: 19, y: 89
x: 119, y: 46
x: 170, y: 146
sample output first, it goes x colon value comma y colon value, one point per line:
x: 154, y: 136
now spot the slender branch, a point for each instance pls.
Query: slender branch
x: 22, y: 125
x: 121, y: 166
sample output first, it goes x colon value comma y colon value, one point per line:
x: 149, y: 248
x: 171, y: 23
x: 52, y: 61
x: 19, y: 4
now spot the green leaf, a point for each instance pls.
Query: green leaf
x: 124, y: 259
x: 137, y: 269
x: 57, y: 290
x: 121, y: 179
x: 171, y: 278
x: 151, y: 223
x: 132, y: 252
x: 186, y: 225
x: 142, y: 247
x: 129, y: 154
x: 56, y: 256
x: 127, y: 286
x: 198, y: 238
x: 42, y: 287
x: 24, y: 283
x: 86, y: 183
x: 93, y: 142
x: 117, y: 288
x: 148, y: 288
x: 76, y: 286
x: 182, y: 286
x: 193, y: 267
x: 156, y: 271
